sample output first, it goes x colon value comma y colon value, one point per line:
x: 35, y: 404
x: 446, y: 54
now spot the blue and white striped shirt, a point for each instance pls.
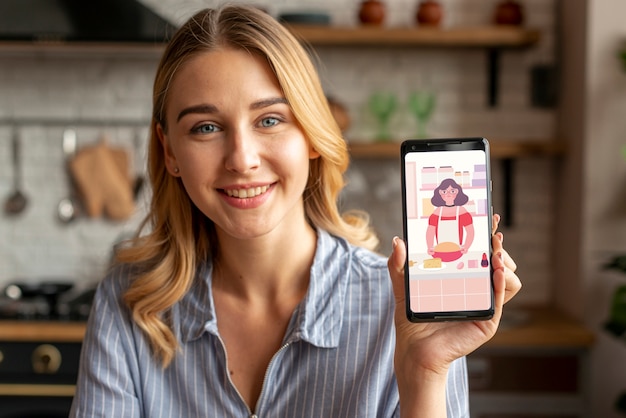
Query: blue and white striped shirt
x: 336, y: 361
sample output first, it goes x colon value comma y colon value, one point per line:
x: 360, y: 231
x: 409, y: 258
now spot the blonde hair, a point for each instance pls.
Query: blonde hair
x: 178, y: 237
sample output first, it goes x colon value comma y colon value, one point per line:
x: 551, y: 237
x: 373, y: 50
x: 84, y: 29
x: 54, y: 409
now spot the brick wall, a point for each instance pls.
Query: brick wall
x: 49, y: 90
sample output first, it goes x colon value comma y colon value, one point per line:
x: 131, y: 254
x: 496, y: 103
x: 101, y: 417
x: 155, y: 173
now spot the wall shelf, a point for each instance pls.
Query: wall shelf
x: 88, y: 50
x: 492, y: 38
x: 463, y: 37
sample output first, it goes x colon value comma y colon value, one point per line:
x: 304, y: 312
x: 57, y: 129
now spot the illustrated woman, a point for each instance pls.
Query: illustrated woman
x: 247, y: 293
x: 450, y: 222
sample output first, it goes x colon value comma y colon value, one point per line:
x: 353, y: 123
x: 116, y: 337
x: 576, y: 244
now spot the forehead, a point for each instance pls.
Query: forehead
x: 224, y: 64
x: 220, y: 77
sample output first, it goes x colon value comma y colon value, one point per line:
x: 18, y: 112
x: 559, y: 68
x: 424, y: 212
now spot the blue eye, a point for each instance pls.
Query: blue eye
x: 206, y: 128
x: 269, y: 122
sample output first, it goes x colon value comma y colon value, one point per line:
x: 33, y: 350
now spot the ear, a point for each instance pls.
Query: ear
x: 313, y: 154
x: 170, y: 159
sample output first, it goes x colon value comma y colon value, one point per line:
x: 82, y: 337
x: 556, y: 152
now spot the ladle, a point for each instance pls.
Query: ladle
x: 68, y: 208
x: 17, y: 201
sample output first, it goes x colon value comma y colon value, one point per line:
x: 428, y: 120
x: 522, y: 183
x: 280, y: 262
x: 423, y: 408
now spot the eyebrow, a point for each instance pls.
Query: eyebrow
x: 268, y: 102
x: 203, y: 108
x: 209, y: 108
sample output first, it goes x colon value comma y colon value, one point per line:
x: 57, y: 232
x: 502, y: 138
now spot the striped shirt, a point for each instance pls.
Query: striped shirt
x: 336, y: 360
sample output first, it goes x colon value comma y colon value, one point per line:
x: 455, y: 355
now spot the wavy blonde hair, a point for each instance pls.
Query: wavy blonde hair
x: 175, y: 236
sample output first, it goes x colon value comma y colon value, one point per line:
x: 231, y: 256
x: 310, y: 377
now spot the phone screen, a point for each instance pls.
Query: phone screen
x: 447, y: 228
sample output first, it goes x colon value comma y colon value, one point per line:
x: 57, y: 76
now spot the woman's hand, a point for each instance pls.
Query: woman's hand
x: 424, y: 351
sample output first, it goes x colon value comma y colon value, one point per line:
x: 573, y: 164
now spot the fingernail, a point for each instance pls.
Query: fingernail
x: 394, y: 242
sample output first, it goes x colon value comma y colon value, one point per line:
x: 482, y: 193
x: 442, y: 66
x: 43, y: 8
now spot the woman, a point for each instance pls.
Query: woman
x: 249, y: 294
x: 450, y: 222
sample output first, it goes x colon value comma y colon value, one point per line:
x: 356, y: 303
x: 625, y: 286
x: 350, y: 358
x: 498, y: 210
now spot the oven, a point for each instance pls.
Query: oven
x: 41, y: 332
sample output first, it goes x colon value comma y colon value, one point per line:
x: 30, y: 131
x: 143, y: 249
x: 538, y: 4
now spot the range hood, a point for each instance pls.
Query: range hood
x: 81, y: 21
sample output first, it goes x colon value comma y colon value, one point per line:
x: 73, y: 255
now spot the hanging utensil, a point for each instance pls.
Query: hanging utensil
x: 138, y: 163
x: 17, y: 201
x: 68, y: 208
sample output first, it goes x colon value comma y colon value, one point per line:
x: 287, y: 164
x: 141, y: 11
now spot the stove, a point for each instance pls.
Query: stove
x: 40, y: 341
x: 45, y: 301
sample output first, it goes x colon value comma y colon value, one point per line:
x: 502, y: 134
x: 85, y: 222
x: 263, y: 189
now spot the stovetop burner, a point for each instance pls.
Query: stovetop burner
x: 44, y: 301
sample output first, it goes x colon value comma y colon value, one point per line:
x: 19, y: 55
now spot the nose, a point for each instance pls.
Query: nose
x: 242, y: 151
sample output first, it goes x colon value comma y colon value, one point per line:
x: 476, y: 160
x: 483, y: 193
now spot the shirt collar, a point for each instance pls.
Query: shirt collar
x: 317, y: 319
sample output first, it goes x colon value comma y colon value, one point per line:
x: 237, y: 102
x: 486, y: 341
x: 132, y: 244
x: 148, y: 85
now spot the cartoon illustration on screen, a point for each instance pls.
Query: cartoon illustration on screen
x: 450, y: 231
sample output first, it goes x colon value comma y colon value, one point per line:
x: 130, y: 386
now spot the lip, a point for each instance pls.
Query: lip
x: 247, y: 202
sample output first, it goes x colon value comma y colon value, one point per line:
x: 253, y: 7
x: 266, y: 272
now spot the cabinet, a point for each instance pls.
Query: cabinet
x: 536, y: 369
x: 38, y: 367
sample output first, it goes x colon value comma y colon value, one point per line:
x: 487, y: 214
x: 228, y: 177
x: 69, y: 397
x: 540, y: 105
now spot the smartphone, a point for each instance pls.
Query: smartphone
x: 447, y: 220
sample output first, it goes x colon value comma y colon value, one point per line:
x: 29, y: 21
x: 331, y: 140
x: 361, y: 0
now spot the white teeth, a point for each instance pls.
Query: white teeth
x: 246, y: 193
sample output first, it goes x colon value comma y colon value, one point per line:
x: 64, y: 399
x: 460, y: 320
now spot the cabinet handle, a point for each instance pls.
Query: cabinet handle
x: 1, y: 357
x: 46, y: 359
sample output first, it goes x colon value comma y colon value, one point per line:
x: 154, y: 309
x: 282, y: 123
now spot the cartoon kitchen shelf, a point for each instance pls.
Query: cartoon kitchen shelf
x: 469, y: 179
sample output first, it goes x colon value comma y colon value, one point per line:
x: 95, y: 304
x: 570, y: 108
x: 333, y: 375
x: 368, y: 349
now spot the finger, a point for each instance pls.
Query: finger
x: 498, y: 246
x: 501, y: 258
x: 395, y: 264
x: 508, y: 261
x: 495, y: 222
x: 496, y: 243
x: 499, y: 285
x: 513, y: 284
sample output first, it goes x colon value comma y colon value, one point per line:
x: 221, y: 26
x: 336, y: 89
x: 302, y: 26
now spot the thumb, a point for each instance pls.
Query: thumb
x: 395, y: 264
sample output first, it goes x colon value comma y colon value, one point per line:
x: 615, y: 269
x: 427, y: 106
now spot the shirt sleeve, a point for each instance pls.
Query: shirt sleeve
x: 105, y: 385
x: 433, y: 219
x: 465, y: 219
x: 457, y: 391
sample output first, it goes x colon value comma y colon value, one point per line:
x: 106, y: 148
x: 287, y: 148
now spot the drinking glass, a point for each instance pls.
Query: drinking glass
x: 382, y: 105
x: 421, y: 104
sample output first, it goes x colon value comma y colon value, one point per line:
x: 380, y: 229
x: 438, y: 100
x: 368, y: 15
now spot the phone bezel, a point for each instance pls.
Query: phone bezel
x: 445, y: 144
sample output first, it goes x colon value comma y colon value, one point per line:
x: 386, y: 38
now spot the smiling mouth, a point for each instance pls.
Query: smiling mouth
x: 247, y: 193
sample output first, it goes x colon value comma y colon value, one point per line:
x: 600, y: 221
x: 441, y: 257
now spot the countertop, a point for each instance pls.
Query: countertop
x: 540, y: 328
x: 41, y: 331
x: 534, y: 328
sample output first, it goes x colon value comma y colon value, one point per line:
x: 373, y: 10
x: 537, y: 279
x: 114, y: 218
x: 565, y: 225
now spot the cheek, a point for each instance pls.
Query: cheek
x: 196, y: 165
x: 294, y: 155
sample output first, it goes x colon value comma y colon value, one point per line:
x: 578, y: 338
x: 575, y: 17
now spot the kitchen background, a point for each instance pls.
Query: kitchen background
x: 108, y: 94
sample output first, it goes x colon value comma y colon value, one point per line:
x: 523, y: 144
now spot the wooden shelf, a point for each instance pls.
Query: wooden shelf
x: 501, y: 149
x: 477, y: 37
x: 87, y: 50
x: 493, y: 38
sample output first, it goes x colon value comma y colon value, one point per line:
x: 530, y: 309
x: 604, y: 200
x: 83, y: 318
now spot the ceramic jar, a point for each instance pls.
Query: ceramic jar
x: 429, y: 13
x: 372, y: 12
x: 508, y: 12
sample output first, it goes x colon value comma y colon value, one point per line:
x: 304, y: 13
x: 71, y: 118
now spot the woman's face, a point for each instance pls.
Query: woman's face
x: 449, y: 195
x: 234, y: 142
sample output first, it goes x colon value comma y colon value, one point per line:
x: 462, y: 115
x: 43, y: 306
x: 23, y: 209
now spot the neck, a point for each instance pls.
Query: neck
x: 266, y: 267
